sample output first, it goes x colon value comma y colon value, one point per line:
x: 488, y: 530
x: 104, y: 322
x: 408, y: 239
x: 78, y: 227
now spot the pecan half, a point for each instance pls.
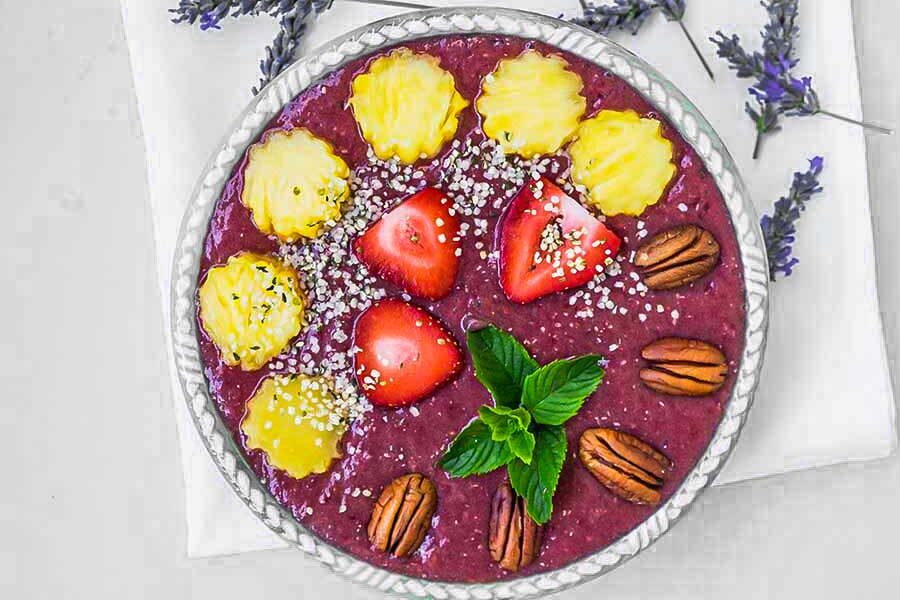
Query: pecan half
x: 402, y: 515
x: 680, y: 367
x: 677, y: 256
x: 628, y: 467
x: 514, y: 538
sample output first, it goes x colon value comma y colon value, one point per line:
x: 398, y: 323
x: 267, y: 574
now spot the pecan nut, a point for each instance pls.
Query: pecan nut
x: 677, y: 257
x: 627, y: 466
x: 402, y: 515
x: 680, y: 367
x: 514, y: 538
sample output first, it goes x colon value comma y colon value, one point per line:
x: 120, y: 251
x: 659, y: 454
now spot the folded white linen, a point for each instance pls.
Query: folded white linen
x: 825, y: 396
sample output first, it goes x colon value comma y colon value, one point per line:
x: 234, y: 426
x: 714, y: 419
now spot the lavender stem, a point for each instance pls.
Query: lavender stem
x: 863, y: 124
x: 393, y: 3
x: 696, y: 50
x: 757, y: 145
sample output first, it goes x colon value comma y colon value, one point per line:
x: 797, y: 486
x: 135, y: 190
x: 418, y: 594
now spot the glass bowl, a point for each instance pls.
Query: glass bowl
x: 660, y: 92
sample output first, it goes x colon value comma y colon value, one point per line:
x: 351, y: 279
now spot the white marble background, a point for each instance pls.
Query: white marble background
x: 91, y: 503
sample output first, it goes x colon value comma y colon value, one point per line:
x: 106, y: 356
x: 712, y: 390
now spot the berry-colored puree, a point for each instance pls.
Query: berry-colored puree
x: 384, y: 444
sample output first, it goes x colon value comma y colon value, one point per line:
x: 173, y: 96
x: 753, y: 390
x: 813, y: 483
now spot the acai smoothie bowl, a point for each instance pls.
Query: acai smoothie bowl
x: 471, y: 303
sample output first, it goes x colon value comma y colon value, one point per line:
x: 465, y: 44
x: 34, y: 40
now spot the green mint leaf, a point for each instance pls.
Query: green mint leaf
x: 501, y: 364
x: 474, y: 452
x: 504, y: 421
x: 522, y: 445
x: 555, y: 392
x: 536, y: 482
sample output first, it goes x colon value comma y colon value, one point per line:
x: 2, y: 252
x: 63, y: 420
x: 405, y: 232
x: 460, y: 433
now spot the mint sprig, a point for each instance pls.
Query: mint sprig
x: 524, y: 429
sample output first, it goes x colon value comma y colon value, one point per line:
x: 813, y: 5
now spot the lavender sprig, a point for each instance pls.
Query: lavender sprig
x: 210, y: 12
x: 624, y: 15
x: 630, y: 15
x: 779, y: 230
x: 283, y: 48
x: 776, y: 91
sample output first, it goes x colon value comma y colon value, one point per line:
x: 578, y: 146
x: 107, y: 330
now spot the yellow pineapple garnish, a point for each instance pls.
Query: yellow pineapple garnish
x: 406, y: 105
x: 623, y: 160
x: 294, y: 184
x: 292, y: 418
x: 251, y: 307
x: 531, y: 104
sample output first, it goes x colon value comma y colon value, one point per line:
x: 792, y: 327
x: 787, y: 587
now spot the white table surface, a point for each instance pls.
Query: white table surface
x: 91, y: 500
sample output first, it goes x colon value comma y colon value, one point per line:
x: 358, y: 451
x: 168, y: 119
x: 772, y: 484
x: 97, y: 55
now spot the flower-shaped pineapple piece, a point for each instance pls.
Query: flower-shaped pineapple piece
x: 251, y: 307
x: 294, y: 184
x: 623, y: 160
x: 293, y: 419
x: 531, y: 104
x: 406, y: 105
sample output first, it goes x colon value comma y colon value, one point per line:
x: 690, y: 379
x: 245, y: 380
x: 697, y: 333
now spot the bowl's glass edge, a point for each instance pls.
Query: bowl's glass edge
x: 660, y: 92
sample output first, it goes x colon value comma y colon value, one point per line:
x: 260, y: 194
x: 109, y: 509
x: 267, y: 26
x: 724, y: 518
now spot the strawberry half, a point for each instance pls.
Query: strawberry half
x: 549, y: 243
x: 405, y: 353
x: 415, y: 246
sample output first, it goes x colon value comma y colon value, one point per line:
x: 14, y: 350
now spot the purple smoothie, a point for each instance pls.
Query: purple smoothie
x: 385, y: 444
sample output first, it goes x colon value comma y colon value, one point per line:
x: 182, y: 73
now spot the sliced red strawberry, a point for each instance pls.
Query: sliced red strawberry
x: 415, y: 246
x: 405, y: 353
x: 549, y: 242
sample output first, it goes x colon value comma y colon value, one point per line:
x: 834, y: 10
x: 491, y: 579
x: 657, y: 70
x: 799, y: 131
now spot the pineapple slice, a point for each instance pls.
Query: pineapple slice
x: 531, y: 104
x: 623, y: 160
x: 406, y: 105
x: 294, y: 184
x: 251, y: 307
x: 291, y: 419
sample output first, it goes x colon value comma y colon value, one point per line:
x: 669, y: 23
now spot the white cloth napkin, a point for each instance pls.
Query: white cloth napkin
x: 825, y: 396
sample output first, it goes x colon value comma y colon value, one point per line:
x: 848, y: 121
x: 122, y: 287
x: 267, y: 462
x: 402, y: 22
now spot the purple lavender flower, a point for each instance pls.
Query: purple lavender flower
x: 777, y: 91
x: 209, y: 20
x: 623, y: 15
x: 280, y: 54
x: 779, y: 229
x: 790, y: 95
x: 768, y: 90
x: 782, y: 30
x: 211, y: 12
